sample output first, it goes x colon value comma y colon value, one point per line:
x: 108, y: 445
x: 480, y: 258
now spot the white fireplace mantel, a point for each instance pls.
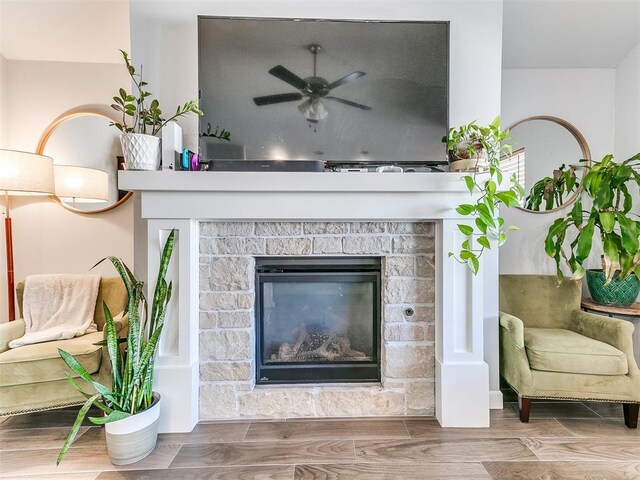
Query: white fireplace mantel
x: 466, y: 305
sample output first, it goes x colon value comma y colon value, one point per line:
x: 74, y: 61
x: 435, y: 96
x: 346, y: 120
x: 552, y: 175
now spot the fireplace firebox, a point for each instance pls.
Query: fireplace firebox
x: 317, y: 319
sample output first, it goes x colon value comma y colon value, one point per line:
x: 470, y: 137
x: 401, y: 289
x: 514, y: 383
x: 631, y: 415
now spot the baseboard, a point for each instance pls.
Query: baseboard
x: 495, y: 400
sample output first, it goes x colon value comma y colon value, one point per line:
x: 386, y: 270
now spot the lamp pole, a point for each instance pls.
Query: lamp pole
x: 8, y: 238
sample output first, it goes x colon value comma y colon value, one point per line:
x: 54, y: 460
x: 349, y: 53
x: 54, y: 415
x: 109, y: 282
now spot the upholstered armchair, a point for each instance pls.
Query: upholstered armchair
x: 32, y: 377
x: 550, y: 349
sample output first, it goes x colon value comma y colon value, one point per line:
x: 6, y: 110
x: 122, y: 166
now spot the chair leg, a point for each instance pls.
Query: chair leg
x: 524, y: 405
x: 630, y: 411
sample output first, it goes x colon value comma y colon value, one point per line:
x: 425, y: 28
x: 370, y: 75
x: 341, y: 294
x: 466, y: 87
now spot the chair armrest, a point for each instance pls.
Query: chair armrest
x: 609, y: 330
x: 10, y: 331
x: 514, y: 326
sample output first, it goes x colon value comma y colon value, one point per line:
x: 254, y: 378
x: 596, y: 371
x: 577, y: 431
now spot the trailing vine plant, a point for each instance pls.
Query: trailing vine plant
x: 608, y: 185
x: 487, y: 228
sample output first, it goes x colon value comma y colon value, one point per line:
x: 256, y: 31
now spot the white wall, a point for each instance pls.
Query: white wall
x: 48, y: 238
x: 627, y: 124
x: 585, y: 98
x: 3, y: 97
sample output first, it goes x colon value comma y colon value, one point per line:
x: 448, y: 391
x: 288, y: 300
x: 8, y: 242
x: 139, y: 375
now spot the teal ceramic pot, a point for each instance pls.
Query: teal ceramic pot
x: 619, y: 293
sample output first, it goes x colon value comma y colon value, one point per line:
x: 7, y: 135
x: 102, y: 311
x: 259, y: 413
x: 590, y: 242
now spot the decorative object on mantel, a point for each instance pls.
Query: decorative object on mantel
x: 608, y: 186
x: 141, y: 150
x: 131, y: 407
x: 485, y: 144
x: 21, y: 173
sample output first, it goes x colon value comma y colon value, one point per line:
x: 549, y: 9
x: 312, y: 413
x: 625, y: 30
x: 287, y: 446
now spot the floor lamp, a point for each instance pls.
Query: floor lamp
x: 21, y: 173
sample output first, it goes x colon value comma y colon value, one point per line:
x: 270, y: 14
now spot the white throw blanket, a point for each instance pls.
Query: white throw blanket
x: 58, y: 307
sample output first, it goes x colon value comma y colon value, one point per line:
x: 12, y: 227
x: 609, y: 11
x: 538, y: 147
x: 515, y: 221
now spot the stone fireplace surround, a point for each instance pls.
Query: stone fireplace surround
x: 227, y: 329
x: 466, y: 306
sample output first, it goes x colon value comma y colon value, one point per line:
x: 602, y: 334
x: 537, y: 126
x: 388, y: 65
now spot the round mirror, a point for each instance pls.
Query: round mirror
x: 85, y: 150
x: 546, y: 160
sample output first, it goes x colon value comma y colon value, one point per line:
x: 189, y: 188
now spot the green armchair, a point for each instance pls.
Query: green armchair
x: 550, y: 349
x: 32, y: 377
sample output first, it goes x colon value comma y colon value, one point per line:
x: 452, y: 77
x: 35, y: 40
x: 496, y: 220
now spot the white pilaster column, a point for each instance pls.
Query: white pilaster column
x: 462, y: 376
x: 177, y: 368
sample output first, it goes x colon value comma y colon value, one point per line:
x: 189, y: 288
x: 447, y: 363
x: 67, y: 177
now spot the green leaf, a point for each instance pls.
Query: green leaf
x: 465, y: 229
x: 473, y: 264
x: 608, y: 221
x: 470, y: 183
x: 490, y: 186
x: 585, y: 239
x: 465, y: 209
x: 481, y: 225
x: 76, y: 426
x: 629, y: 233
x: 484, y: 241
x: 111, y: 417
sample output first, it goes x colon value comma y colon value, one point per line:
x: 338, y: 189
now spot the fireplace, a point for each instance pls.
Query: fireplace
x: 317, y: 319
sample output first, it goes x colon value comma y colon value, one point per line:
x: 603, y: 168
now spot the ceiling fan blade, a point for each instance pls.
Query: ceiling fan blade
x: 280, y: 98
x: 349, y: 102
x: 288, y: 76
x: 349, y: 78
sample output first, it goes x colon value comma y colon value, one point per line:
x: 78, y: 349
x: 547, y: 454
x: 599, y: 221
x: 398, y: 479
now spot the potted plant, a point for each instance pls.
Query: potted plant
x: 608, y: 186
x: 142, y: 121
x: 487, y: 227
x: 130, y: 406
x: 466, y: 148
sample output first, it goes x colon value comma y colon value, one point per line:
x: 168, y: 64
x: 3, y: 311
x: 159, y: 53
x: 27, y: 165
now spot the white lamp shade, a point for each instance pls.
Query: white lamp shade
x: 80, y: 184
x: 23, y: 173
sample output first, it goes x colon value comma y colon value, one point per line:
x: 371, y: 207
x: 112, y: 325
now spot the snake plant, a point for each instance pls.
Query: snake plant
x: 131, y: 389
x: 609, y: 187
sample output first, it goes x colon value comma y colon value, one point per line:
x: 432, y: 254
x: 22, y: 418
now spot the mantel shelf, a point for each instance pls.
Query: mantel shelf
x: 168, y: 181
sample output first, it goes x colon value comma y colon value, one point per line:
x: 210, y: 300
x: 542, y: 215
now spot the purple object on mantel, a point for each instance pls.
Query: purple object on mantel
x: 195, y: 162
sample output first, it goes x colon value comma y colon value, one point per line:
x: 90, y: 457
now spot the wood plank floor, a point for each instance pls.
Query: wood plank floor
x: 563, y: 441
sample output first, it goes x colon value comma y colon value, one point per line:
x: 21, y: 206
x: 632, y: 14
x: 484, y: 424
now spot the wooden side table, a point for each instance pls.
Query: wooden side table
x: 631, y: 314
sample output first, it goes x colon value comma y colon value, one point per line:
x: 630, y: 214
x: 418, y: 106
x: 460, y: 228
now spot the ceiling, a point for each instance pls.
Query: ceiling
x: 64, y: 30
x: 569, y: 33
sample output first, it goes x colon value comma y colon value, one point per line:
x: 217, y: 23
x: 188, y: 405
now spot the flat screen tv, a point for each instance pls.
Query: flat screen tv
x: 338, y: 91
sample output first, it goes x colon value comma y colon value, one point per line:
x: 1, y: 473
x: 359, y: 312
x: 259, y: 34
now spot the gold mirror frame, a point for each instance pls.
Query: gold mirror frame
x: 582, y: 142
x: 103, y: 111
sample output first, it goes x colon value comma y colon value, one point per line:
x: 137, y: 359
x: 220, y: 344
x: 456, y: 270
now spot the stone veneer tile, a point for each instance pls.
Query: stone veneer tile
x: 368, y: 227
x: 225, y: 371
x: 227, y: 229
x: 234, y: 319
x: 420, y: 398
x: 217, y: 401
x: 226, y: 301
x: 278, y: 229
x: 231, y: 273
x: 289, y: 246
x: 409, y: 361
x: 227, y: 352
x: 354, y: 401
x: 416, y: 228
x: 408, y: 290
x: 324, y: 245
x: 225, y: 345
x: 413, y: 244
x: 399, y: 266
x: 366, y: 244
x: 277, y: 402
x: 325, y: 228
x: 207, y: 320
x: 398, y: 332
x: 235, y: 246
x: 426, y: 266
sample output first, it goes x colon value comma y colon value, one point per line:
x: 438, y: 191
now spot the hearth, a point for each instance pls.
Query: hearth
x: 317, y: 319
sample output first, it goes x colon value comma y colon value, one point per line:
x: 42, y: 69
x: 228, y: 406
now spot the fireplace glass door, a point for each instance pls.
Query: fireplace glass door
x: 318, y: 320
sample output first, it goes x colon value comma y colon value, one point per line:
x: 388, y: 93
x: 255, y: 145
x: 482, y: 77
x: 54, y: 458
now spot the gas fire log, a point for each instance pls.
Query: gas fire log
x: 323, y: 345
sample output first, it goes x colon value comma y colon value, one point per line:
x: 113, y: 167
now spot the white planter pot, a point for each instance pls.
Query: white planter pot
x: 141, y: 152
x: 133, y: 438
